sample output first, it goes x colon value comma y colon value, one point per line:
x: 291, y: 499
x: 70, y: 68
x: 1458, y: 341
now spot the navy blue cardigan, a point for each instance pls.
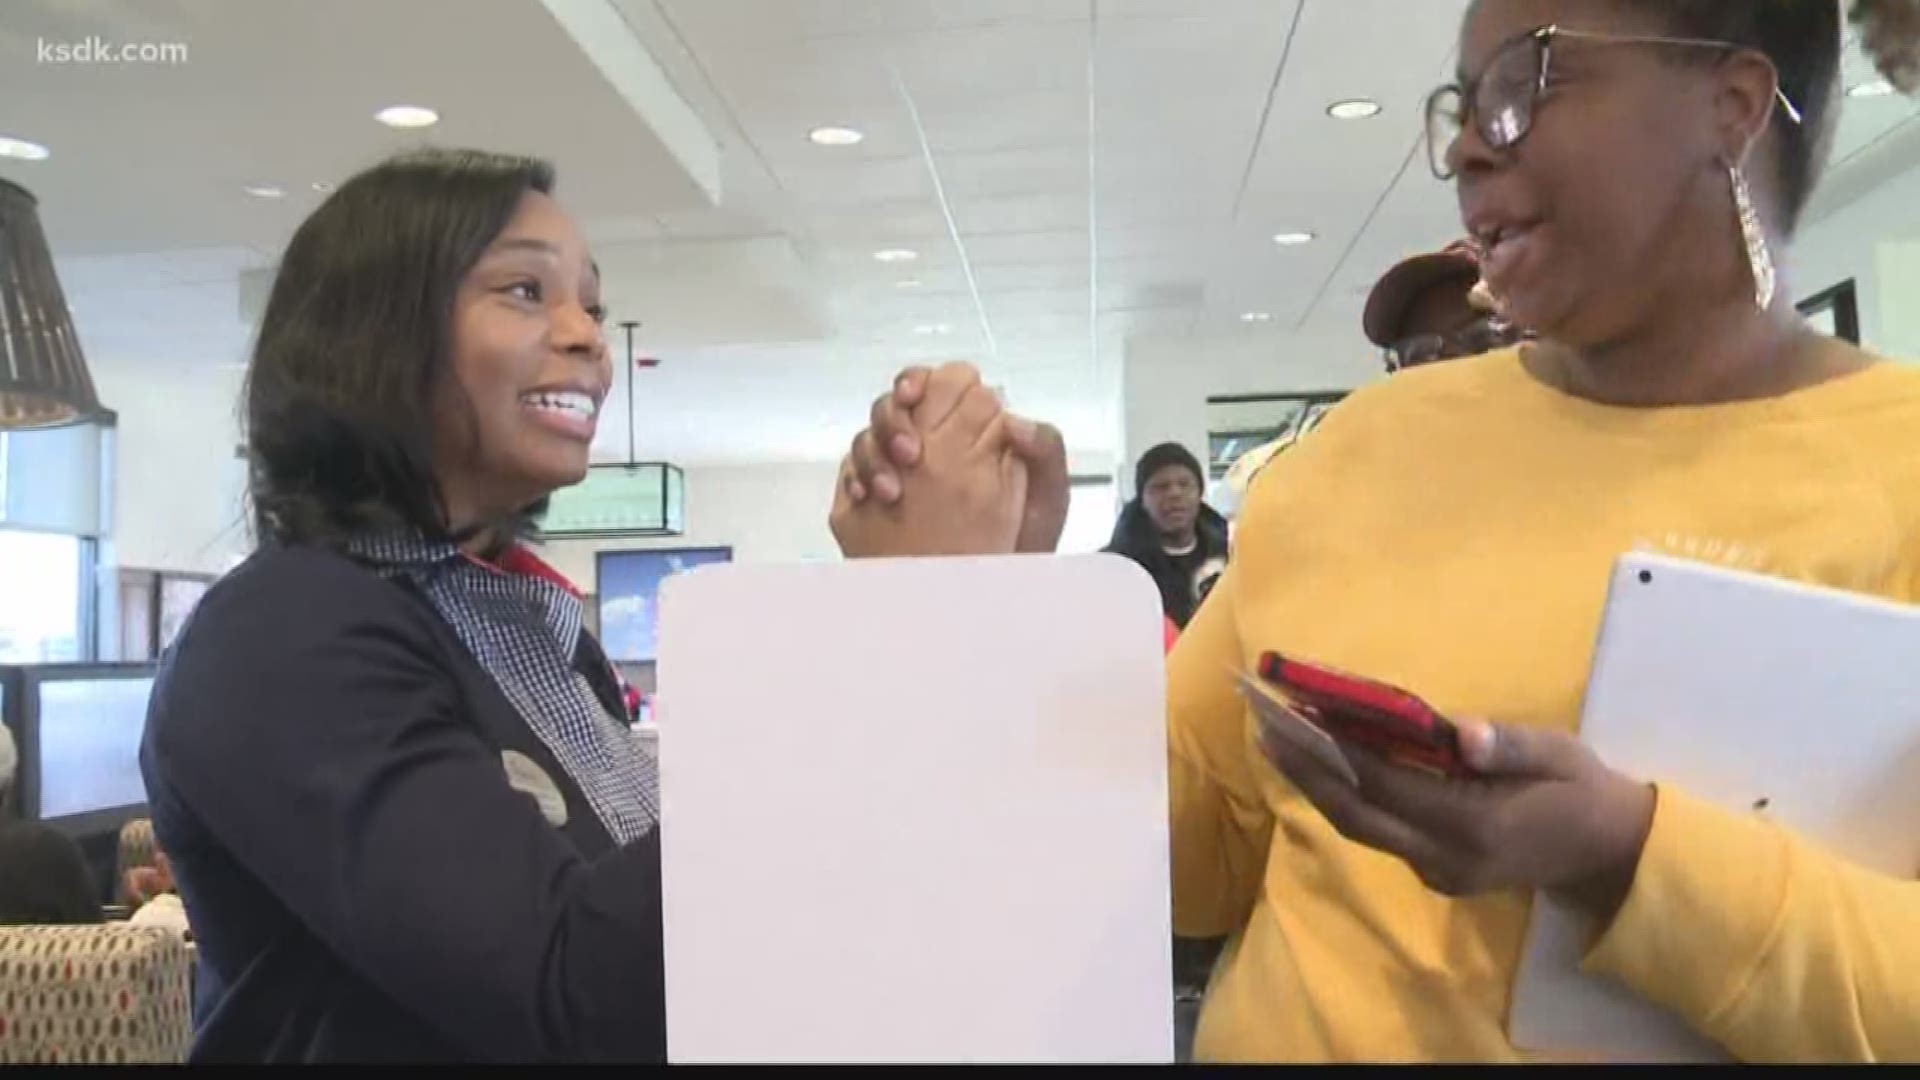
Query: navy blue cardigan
x: 324, y: 762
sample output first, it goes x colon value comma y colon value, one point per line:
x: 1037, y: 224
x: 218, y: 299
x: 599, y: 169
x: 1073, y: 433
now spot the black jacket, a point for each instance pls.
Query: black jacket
x: 1135, y: 536
x: 324, y: 763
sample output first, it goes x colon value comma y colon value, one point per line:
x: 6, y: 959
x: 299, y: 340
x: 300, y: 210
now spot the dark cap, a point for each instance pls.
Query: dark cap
x: 1159, y: 458
x: 1394, y: 295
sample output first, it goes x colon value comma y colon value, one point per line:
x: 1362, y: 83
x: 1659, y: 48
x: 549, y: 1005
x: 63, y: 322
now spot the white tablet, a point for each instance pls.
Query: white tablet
x: 1762, y: 696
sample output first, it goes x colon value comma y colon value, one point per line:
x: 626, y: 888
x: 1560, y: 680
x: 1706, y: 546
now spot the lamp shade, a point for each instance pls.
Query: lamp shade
x: 43, y: 377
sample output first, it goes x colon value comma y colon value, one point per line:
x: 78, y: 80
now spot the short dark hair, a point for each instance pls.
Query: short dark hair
x: 1803, y: 39
x: 355, y: 341
x: 1161, y: 457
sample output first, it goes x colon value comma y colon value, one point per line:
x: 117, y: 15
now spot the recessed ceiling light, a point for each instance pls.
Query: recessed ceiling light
x: 896, y: 255
x: 407, y: 116
x: 933, y: 330
x: 907, y: 283
x: 1256, y: 317
x: 836, y: 136
x: 1354, y: 109
x: 324, y: 187
x: 1293, y: 239
x: 22, y: 150
x: 265, y: 191
x: 1872, y: 88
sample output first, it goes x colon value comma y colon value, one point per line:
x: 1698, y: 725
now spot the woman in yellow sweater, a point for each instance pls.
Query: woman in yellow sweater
x: 1633, y: 168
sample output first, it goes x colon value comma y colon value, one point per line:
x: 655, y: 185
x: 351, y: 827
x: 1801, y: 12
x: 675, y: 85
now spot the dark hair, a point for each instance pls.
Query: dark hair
x: 354, y: 345
x: 1803, y: 39
x: 1158, y: 458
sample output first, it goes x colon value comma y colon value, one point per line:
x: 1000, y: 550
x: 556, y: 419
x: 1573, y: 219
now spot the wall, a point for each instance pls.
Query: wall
x: 178, y: 484
x: 766, y: 513
x: 1874, y: 240
x: 1167, y: 381
x: 773, y: 513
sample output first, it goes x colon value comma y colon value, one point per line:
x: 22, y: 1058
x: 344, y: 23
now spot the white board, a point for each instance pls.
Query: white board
x: 1754, y: 694
x: 915, y: 811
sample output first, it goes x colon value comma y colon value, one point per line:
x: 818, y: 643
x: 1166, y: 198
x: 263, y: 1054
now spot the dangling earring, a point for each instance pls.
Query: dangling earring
x: 1754, y: 235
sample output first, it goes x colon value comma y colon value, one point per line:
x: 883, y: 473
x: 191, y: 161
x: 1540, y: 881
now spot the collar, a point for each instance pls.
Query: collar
x: 522, y: 562
x: 414, y: 552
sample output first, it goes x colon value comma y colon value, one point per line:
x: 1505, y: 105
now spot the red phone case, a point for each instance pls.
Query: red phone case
x: 1369, y: 714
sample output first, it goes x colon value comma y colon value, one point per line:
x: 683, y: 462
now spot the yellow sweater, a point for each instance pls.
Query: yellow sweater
x: 1453, y: 530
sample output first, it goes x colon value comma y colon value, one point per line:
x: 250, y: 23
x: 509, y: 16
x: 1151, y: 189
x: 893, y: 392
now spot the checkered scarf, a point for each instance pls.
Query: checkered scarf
x: 523, y: 630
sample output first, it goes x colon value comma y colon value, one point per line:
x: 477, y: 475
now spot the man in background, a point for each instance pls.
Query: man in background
x: 1170, y: 531
x: 1432, y: 307
x: 1427, y: 308
x: 43, y: 877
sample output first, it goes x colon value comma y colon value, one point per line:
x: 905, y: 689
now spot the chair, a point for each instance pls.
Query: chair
x: 99, y: 994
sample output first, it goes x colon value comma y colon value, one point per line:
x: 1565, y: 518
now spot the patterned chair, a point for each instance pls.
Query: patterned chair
x: 137, y: 849
x: 111, y: 993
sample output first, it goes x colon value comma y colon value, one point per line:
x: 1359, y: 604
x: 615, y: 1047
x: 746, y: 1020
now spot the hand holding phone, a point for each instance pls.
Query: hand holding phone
x: 1372, y: 715
x: 1282, y: 723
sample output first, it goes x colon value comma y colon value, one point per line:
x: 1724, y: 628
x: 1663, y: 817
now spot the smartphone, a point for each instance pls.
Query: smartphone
x: 1384, y: 719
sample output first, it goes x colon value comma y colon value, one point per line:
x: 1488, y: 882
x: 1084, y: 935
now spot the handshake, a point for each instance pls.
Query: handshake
x: 944, y: 469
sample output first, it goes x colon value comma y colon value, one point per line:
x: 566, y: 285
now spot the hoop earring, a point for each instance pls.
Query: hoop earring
x: 1754, y: 237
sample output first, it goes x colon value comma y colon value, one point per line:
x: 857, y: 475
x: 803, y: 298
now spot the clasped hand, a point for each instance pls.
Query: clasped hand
x: 944, y: 469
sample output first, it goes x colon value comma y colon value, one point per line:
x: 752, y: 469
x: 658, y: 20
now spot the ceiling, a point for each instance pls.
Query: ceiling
x: 1069, y: 173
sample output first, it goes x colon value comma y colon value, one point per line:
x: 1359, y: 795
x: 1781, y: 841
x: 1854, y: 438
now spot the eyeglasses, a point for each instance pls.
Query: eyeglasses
x: 1503, y: 100
x: 1483, y: 336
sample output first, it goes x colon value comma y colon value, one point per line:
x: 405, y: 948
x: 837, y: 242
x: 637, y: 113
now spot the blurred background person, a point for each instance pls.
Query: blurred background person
x: 1433, y: 307
x: 156, y: 898
x: 1430, y: 307
x: 1170, y: 530
x: 44, y: 879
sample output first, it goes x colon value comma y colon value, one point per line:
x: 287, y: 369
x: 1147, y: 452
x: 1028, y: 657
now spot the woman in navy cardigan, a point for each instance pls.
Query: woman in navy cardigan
x: 406, y: 813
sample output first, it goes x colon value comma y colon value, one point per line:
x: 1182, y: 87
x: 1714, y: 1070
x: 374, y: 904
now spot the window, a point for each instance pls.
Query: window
x: 1835, y: 312
x: 43, y: 597
x: 1092, y: 508
x: 1236, y: 425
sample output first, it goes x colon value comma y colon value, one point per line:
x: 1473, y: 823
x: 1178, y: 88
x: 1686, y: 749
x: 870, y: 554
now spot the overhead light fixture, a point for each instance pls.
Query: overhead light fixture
x: 22, y: 149
x: 907, y: 283
x: 933, y: 330
x: 44, y: 382
x: 1256, y: 317
x: 896, y: 255
x: 836, y: 136
x: 1354, y: 109
x: 1293, y: 239
x: 265, y: 191
x: 1870, y: 89
x: 407, y: 116
x: 324, y: 187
